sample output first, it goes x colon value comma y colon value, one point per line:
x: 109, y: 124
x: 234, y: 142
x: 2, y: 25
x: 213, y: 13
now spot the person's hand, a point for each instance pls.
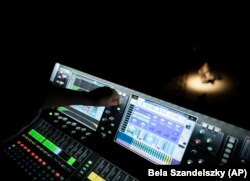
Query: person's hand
x: 104, y: 96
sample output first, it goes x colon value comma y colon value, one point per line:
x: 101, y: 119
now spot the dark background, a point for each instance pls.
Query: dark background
x: 144, y: 54
x: 148, y: 63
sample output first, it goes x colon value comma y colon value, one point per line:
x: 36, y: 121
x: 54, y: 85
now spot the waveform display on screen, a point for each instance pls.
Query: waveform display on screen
x: 155, y: 132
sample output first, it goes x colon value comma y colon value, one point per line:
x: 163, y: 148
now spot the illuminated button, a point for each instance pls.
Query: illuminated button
x: 25, y: 147
x: 81, y: 172
x: 83, y: 129
x: 43, y: 163
x: 225, y: 155
x: 112, y: 124
x: 59, y: 117
x: 231, y: 140
x: 50, y: 113
x: 59, y: 77
x: 210, y: 127
x: 223, y: 160
x: 103, y: 135
x: 230, y: 145
x: 64, y: 126
x: 61, y: 178
x: 107, y: 111
x: 197, y: 141
x: 55, y: 121
x: 118, y: 108
x: 189, y: 162
x: 83, y: 138
x: 209, y: 148
x: 56, y: 114
x: 102, y: 128
x: 73, y: 132
x: 18, y: 142
x: 201, y: 161
x: 61, y: 83
x: 64, y: 76
x: 242, y: 161
x: 78, y: 128
x: 92, y: 176
x: 109, y: 132
x: 208, y: 140
x: 36, y: 157
x: 228, y: 150
x: 202, y: 131
x: 57, y: 174
x: 88, y: 134
x: 204, y: 125
x: 111, y: 118
x: 68, y: 122
x: 64, y: 118
x: 104, y: 119
x: 193, y: 152
x: 90, y: 162
x: 28, y: 150
x: 216, y: 129
x: 73, y: 124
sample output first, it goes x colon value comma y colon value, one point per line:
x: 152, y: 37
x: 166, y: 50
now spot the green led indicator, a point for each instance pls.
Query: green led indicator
x: 87, y: 165
x: 62, y: 109
x: 52, y: 147
x: 40, y: 138
x: 90, y: 162
x: 13, y: 145
x: 50, y: 113
x: 74, y: 87
x: 71, y: 161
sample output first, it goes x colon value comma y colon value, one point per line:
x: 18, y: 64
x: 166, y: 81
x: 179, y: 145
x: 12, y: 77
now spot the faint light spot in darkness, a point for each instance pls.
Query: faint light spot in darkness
x: 195, y: 84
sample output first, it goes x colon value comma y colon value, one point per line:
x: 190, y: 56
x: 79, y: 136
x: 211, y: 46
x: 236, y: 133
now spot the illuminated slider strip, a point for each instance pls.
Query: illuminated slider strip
x: 71, y: 161
x: 48, y: 144
x: 95, y: 177
x: 37, y: 136
x: 151, y: 151
x: 127, y: 139
x: 51, y: 146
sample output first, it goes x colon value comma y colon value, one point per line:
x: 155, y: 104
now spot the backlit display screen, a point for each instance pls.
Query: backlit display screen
x: 155, y: 132
x: 90, y: 116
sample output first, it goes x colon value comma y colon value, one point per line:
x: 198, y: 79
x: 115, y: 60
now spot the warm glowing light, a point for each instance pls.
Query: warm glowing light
x: 195, y: 84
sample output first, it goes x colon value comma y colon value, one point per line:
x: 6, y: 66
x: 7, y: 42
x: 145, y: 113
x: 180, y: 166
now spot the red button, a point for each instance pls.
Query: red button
x: 18, y: 142
x: 43, y: 163
x: 28, y: 150
x: 25, y: 147
x: 40, y: 160
x: 32, y: 154
x: 57, y: 174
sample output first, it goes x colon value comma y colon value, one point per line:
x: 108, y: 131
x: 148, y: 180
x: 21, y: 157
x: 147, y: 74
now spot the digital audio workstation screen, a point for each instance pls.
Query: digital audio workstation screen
x: 155, y: 132
x: 90, y: 116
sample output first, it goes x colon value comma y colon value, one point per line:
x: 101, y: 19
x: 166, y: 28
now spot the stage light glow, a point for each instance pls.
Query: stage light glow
x: 195, y: 84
